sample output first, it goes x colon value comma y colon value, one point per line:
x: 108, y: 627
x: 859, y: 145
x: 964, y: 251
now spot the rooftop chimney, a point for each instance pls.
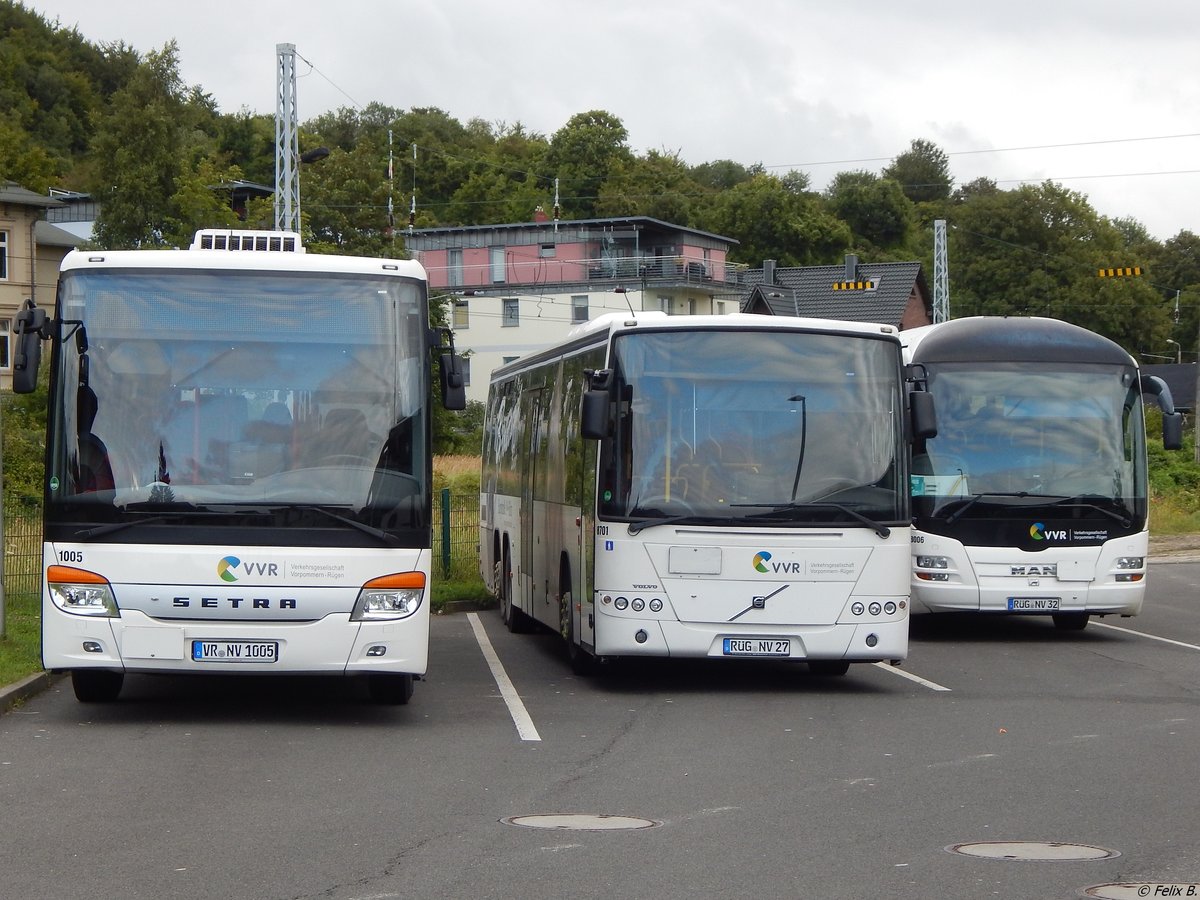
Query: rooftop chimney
x: 851, y: 267
x: 539, y: 215
x: 768, y: 271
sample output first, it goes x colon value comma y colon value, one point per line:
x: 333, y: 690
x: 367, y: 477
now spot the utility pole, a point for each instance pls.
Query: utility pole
x: 287, y: 141
x: 1196, y: 401
x: 941, y: 278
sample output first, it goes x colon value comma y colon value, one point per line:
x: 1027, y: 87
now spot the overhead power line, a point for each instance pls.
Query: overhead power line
x: 866, y: 159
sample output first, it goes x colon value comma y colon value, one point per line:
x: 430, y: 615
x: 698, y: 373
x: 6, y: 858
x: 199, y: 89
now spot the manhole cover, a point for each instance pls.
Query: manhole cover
x: 1031, y: 850
x: 581, y: 822
x: 1140, y: 889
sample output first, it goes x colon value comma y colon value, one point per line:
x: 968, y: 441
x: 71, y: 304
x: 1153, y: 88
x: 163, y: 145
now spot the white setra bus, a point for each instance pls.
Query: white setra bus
x: 704, y: 486
x: 237, y: 463
x: 1032, y: 498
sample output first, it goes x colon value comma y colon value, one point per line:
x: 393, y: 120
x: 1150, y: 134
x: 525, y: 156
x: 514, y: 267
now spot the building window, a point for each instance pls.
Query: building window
x: 462, y: 314
x: 3, y: 256
x: 496, y: 255
x: 464, y: 366
x: 5, y: 331
x: 512, y: 312
x: 546, y: 251
x: 579, y: 308
x: 454, y: 273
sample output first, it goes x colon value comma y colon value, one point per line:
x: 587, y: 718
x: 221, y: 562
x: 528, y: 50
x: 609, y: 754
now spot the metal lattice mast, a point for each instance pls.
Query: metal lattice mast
x: 941, y: 278
x: 287, y: 141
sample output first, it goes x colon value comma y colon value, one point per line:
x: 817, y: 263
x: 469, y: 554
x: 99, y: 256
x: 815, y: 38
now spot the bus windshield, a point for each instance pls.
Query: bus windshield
x: 1012, y: 435
x: 206, y: 390
x: 775, y: 426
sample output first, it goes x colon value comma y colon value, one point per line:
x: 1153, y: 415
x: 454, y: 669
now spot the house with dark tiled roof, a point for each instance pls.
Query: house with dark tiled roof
x: 893, y: 293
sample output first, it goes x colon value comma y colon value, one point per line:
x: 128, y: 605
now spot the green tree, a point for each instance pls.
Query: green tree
x: 722, y: 174
x: 26, y: 162
x: 1037, y: 250
x: 583, y: 153
x: 922, y: 171
x: 503, y: 183
x: 876, y: 209
x: 201, y: 201
x: 1174, y: 270
x: 657, y: 184
x: 771, y: 220
x: 138, y: 153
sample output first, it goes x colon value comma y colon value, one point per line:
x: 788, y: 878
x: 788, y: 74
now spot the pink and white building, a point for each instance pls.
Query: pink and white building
x: 516, y: 288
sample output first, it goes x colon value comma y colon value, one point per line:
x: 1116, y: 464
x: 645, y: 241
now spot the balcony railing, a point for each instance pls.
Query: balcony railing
x: 629, y: 271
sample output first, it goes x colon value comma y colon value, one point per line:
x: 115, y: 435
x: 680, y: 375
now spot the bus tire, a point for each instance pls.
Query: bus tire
x: 514, y: 620
x: 390, y: 689
x: 96, y: 685
x: 581, y: 662
x: 828, y: 666
x: 1071, y: 621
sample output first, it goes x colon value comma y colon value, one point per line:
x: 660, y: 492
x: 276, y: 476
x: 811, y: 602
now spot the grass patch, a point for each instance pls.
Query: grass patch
x: 459, y: 589
x: 21, y: 649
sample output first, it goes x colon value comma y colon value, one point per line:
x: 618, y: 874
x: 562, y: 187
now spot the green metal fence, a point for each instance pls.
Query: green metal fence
x: 455, y: 535
x: 22, y: 549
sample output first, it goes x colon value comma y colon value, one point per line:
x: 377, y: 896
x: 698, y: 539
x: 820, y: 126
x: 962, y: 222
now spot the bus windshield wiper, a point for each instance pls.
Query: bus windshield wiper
x: 379, y: 534
x: 975, y: 498
x: 1087, y: 501
x: 111, y: 527
x: 878, y: 527
x: 640, y: 524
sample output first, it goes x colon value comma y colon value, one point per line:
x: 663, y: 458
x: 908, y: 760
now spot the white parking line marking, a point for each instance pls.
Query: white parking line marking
x: 516, y: 709
x: 932, y: 685
x: 1153, y: 637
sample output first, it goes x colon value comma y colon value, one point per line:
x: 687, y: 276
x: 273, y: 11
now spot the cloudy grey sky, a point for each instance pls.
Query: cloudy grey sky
x: 1100, y: 95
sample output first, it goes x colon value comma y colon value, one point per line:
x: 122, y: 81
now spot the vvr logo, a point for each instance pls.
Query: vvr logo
x: 762, y: 557
x: 1038, y: 532
x: 226, y: 568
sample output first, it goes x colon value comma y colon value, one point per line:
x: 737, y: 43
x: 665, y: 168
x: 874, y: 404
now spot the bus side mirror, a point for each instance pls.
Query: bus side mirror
x: 1172, y: 419
x: 922, y: 415
x: 595, y: 423
x: 1172, y: 431
x: 29, y: 325
x: 454, y: 389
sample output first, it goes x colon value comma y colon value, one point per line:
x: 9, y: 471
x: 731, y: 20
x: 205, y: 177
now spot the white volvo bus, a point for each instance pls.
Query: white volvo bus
x: 704, y: 486
x: 237, y: 463
x: 1032, y: 498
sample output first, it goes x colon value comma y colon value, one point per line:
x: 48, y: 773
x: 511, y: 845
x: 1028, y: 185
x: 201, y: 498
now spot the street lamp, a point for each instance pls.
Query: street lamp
x: 1178, y: 351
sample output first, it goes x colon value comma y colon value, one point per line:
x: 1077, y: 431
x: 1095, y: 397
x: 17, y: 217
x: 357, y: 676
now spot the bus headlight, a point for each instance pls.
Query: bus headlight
x: 933, y: 562
x: 80, y: 592
x: 1131, y: 567
x: 390, y: 597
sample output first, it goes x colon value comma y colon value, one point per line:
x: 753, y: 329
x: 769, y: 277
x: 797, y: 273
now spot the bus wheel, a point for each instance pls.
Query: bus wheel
x: 96, y: 685
x: 582, y: 662
x: 1071, y: 621
x: 390, y: 689
x: 829, y: 666
x: 514, y: 620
